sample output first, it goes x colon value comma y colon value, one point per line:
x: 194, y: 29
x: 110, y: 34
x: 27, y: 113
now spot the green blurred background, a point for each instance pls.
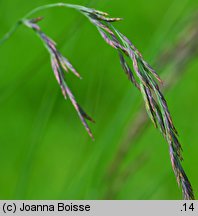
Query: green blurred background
x: 45, y: 151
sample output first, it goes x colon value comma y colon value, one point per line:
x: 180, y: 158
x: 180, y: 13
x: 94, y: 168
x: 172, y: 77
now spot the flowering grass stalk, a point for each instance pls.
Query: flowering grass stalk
x: 143, y: 76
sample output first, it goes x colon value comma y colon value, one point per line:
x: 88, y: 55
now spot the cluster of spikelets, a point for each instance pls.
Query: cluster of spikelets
x: 145, y: 79
x: 60, y: 65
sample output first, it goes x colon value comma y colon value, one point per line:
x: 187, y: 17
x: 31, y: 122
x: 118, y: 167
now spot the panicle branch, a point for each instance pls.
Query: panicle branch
x: 146, y: 80
x: 60, y: 64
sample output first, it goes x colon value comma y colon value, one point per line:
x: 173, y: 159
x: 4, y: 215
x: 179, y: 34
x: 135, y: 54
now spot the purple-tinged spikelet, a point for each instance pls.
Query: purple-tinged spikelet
x: 145, y: 78
x: 59, y: 65
x: 155, y: 102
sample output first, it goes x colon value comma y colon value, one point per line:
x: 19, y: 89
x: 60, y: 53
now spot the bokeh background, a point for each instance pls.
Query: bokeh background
x: 45, y: 151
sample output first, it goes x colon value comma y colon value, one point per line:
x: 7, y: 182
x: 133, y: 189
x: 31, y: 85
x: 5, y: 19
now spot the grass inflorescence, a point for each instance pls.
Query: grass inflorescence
x: 143, y: 76
x: 60, y: 65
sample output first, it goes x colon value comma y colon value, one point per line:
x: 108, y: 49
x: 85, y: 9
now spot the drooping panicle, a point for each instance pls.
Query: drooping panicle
x: 143, y: 76
x: 147, y: 83
x: 59, y: 65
